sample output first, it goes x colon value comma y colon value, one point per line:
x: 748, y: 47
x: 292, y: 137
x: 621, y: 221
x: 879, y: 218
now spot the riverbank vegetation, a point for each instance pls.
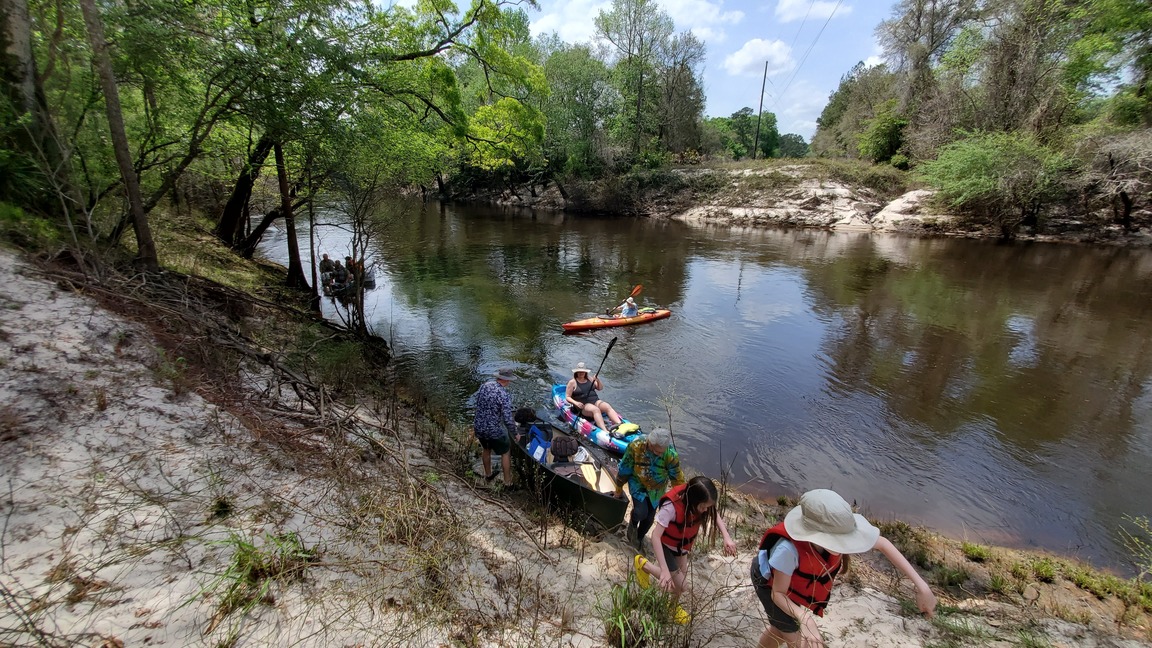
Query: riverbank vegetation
x: 1016, y: 111
x: 1020, y: 113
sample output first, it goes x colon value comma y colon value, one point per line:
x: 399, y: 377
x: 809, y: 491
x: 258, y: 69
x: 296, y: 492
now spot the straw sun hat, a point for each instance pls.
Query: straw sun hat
x: 823, y: 518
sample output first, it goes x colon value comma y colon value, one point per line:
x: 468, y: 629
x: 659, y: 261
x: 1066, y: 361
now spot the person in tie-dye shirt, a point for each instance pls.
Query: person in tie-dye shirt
x: 650, y: 467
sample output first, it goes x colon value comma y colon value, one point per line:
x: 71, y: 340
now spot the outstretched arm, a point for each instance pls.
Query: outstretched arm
x: 925, y: 599
x: 666, y: 582
x: 729, y: 544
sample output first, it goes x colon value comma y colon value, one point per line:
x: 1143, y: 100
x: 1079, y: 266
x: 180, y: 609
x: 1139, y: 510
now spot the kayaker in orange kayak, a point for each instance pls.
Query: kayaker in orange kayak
x: 628, y: 308
x: 581, y: 395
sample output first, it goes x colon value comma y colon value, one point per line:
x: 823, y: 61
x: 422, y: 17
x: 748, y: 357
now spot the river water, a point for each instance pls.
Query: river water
x: 998, y: 393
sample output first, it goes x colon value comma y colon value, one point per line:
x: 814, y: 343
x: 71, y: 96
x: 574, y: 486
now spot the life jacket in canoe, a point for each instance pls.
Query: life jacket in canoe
x: 811, y: 583
x: 623, y: 430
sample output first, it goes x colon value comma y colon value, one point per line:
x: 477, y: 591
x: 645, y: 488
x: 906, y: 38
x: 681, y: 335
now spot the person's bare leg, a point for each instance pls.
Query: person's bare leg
x: 611, y: 412
x: 506, y: 465
x: 486, y: 462
x: 773, y: 638
x: 679, y: 576
x: 594, y: 412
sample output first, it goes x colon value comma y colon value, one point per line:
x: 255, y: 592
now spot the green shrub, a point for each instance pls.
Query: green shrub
x: 885, y: 180
x: 1128, y: 109
x: 254, y: 568
x: 27, y: 231
x: 900, y: 161
x: 635, y: 616
x: 883, y: 134
x: 1001, y: 178
x: 1044, y: 569
x: 949, y: 576
x: 998, y: 583
x: 909, y: 541
x: 975, y: 552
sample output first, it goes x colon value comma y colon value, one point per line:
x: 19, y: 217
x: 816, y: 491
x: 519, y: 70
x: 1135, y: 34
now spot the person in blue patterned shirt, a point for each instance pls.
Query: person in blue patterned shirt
x: 493, y: 423
x: 650, y: 467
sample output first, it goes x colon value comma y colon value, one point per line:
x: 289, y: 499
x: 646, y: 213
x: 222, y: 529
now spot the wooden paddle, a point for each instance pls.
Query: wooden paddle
x: 635, y: 291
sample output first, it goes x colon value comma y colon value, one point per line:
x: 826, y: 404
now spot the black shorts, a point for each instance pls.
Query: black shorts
x: 579, y: 410
x: 670, y: 557
x: 499, y: 446
x: 779, y: 619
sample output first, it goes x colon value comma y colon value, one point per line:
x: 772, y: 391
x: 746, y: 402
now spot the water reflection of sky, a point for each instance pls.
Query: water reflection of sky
x: 999, y: 394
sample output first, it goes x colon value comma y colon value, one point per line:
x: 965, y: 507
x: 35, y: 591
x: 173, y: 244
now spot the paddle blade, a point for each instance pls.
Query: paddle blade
x: 610, y: 345
x: 636, y: 290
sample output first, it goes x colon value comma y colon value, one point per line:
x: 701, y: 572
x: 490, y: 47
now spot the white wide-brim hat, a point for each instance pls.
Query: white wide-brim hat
x: 823, y: 518
x: 580, y: 368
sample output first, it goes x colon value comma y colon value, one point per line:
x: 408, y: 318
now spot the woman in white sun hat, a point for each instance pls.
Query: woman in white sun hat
x: 799, y: 558
x: 581, y: 394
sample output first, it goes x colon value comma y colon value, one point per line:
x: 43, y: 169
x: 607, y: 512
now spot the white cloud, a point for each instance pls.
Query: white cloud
x: 789, y: 10
x: 574, y: 21
x: 710, y: 35
x: 749, y: 59
x: 704, y: 18
x: 795, y: 112
x: 877, y: 56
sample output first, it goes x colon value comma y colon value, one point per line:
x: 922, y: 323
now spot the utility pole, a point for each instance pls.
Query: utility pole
x: 760, y: 111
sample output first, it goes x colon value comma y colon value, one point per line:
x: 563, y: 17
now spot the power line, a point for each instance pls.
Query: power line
x: 806, y: 53
x: 806, y: 14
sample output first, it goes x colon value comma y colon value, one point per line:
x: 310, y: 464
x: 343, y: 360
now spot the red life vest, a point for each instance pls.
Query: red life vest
x: 679, y: 536
x: 811, y: 583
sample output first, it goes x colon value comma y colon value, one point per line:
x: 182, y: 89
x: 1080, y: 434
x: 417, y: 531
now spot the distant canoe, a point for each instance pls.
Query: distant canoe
x: 598, y: 322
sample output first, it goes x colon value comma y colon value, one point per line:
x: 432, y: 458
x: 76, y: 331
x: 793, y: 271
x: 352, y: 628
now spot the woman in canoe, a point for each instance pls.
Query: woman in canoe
x: 581, y: 395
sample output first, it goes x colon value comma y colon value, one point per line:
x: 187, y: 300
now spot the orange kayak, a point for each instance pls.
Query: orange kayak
x: 608, y: 321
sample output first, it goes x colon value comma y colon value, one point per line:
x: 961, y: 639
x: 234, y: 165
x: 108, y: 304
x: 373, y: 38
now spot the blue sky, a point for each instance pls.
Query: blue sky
x: 742, y: 34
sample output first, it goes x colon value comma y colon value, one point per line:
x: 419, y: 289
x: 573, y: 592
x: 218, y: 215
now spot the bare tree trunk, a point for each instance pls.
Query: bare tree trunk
x: 146, y: 248
x: 247, y: 247
x: 296, y: 278
x: 230, y: 227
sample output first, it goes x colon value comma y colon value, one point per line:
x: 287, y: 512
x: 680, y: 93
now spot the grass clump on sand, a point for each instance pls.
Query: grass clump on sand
x: 636, y: 616
x: 975, y: 553
x: 254, y: 569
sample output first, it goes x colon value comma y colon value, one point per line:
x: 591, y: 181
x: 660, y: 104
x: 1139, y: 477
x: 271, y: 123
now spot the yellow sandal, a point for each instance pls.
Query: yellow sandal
x: 642, y: 577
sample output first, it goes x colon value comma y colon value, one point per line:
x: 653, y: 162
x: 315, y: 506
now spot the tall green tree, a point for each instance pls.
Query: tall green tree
x: 580, y: 103
x: 792, y: 146
x: 636, y: 30
x: 681, y: 92
x: 145, y: 245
